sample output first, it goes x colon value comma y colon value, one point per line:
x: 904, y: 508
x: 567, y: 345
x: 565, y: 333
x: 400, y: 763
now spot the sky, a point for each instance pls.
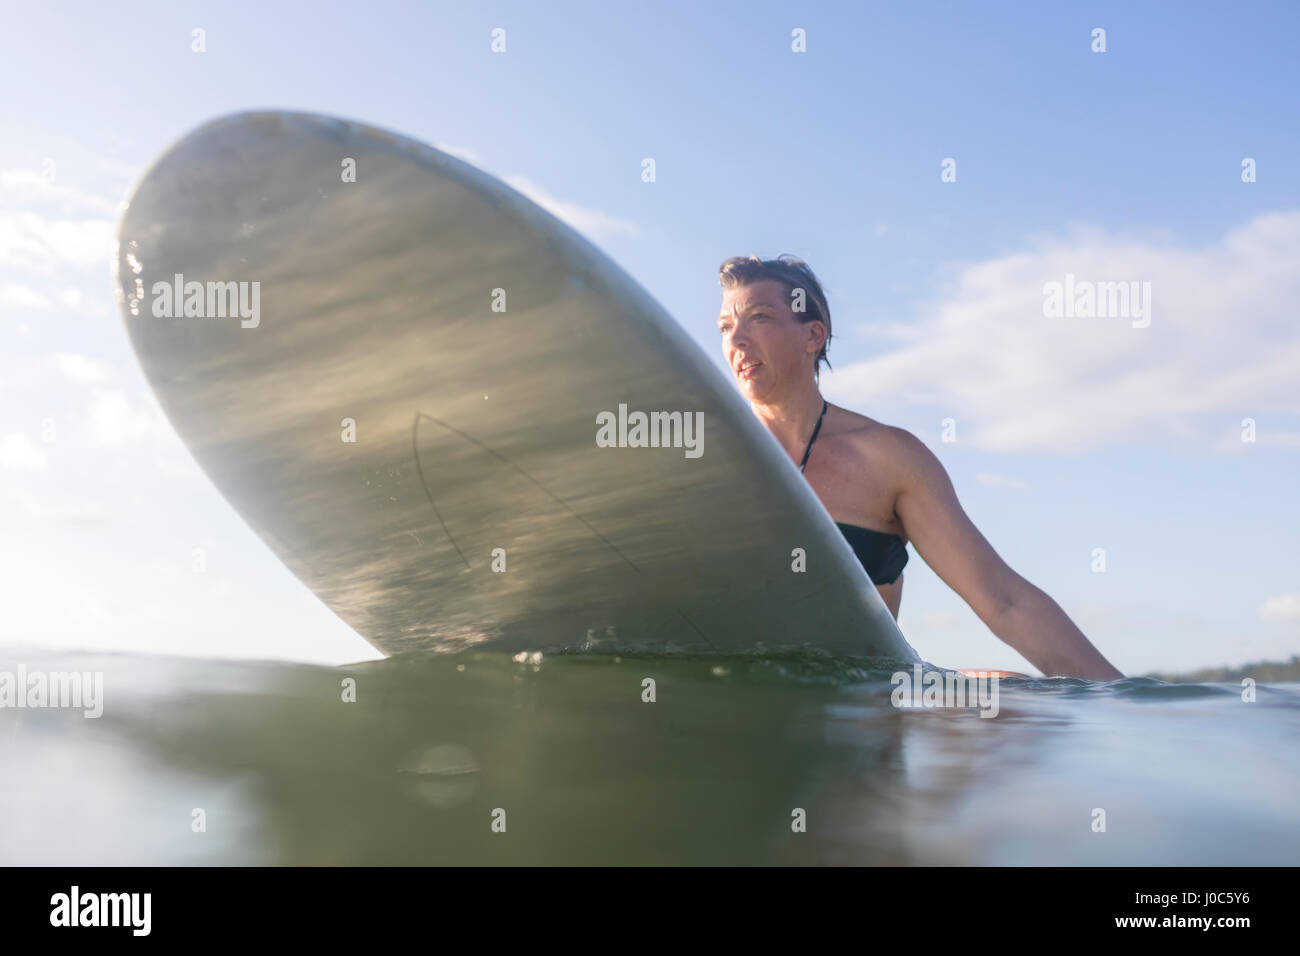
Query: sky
x: 938, y: 165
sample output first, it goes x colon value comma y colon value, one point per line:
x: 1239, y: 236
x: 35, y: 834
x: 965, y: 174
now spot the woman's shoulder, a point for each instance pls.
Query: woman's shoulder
x: 880, y: 446
x: 867, y: 434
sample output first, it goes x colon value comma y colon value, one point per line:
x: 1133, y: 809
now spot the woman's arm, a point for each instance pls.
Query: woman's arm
x: 1012, y: 608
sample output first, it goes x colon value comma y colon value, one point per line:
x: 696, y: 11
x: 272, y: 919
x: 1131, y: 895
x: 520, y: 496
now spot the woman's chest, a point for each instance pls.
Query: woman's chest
x: 853, y: 485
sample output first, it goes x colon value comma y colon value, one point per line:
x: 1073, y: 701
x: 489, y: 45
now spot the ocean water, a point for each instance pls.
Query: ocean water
x: 485, y: 759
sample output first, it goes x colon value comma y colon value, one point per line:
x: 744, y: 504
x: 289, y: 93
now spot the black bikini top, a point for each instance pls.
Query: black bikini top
x: 883, y: 555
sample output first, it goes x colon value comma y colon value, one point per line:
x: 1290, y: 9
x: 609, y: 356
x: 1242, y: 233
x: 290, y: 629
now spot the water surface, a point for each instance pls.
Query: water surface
x: 714, y: 771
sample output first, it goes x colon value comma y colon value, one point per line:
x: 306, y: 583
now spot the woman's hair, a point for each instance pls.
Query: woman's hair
x: 793, y: 273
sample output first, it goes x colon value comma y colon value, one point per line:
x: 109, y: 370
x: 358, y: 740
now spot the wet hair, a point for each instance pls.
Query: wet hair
x: 793, y: 273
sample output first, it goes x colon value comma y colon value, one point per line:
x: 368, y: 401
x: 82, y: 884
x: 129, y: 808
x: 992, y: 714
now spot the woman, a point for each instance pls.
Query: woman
x: 882, y: 486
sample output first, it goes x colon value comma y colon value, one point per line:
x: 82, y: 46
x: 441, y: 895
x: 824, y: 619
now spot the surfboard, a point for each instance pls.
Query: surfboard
x: 458, y: 422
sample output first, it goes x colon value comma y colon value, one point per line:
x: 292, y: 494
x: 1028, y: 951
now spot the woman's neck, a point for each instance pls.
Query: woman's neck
x: 791, y: 418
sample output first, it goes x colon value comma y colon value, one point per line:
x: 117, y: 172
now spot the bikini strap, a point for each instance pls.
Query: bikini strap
x: 808, y: 451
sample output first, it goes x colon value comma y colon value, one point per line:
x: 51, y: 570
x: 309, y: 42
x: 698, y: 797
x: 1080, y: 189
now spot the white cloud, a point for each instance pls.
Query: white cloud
x: 19, y: 454
x: 28, y: 184
x: 82, y: 369
x: 460, y: 152
x: 1000, y: 481
x: 54, y: 510
x: 1266, y: 435
x: 1284, y: 607
x: 37, y: 244
x: 116, y: 421
x: 1222, y: 344
x: 592, y: 223
x: 15, y: 296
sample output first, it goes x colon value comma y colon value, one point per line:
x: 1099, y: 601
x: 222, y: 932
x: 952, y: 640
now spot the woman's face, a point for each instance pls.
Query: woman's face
x: 766, y: 347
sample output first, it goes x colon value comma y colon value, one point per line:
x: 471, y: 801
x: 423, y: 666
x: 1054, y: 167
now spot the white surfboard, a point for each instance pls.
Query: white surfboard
x: 397, y: 382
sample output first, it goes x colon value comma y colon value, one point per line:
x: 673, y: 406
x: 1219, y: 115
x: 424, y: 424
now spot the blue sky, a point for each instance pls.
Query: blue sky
x: 1072, y: 434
